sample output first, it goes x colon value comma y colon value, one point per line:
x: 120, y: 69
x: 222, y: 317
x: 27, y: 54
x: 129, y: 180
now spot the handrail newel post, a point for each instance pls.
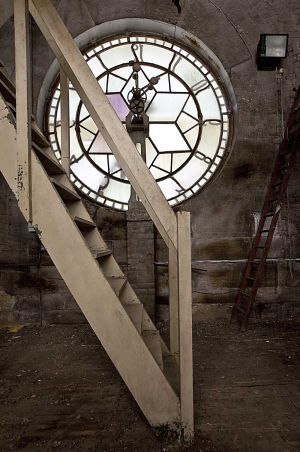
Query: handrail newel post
x: 173, y: 302
x: 185, y: 324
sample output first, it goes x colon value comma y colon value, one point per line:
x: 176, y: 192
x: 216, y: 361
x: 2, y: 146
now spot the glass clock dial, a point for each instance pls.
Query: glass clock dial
x: 189, y: 123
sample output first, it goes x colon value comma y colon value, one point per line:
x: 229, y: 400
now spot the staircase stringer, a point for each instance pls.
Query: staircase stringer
x: 80, y: 271
x: 109, y: 267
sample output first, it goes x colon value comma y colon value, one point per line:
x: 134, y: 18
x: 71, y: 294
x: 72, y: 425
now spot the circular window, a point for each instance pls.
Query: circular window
x: 189, y: 119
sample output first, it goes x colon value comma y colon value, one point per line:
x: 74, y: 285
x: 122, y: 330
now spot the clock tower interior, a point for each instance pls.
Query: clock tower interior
x: 142, y: 218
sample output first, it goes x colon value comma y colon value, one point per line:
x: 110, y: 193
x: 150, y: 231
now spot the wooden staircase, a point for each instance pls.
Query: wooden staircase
x: 160, y: 379
x: 91, y: 273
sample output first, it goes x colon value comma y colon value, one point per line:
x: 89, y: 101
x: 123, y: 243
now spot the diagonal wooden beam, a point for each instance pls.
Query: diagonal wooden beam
x: 65, y: 122
x: 105, y: 118
x: 23, y: 106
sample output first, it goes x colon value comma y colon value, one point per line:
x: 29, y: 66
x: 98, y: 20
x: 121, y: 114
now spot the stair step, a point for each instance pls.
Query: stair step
x: 84, y: 224
x: 65, y: 193
x: 102, y: 253
x: 38, y: 137
x: 152, y: 340
x: 6, y: 91
x: 117, y: 283
x: 50, y: 164
x: 4, y: 77
x: 135, y: 312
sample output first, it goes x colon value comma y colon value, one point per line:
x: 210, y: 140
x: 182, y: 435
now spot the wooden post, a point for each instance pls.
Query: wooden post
x: 173, y: 302
x: 23, y: 106
x: 65, y: 121
x: 185, y: 323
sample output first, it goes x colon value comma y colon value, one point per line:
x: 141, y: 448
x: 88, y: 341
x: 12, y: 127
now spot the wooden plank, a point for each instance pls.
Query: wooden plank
x: 23, y: 106
x: 105, y: 118
x: 185, y: 323
x: 173, y: 303
x: 65, y: 121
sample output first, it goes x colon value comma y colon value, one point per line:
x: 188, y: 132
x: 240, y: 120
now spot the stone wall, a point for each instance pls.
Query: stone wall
x: 223, y: 214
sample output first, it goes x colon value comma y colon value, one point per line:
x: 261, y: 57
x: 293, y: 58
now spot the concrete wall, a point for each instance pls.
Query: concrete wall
x: 223, y: 214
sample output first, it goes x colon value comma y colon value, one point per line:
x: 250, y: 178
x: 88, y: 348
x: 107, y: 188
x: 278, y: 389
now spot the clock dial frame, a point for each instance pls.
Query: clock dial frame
x: 190, y: 124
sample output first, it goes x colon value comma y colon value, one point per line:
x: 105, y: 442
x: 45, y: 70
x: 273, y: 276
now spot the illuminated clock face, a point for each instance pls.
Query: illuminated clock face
x: 189, y: 121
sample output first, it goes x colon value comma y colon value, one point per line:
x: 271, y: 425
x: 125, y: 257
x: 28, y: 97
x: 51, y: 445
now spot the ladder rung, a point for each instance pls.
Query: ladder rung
x: 269, y: 214
x: 277, y: 184
x: 286, y: 152
x: 283, y: 168
x: 240, y: 310
x: 264, y: 230
x: 245, y: 294
x: 260, y: 246
x: 254, y: 263
x: 250, y: 278
x: 273, y: 199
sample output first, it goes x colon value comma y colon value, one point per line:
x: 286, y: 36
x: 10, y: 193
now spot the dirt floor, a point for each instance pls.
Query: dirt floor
x: 59, y: 391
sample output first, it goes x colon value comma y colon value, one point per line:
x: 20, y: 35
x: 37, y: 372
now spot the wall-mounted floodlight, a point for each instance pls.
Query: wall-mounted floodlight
x: 270, y: 50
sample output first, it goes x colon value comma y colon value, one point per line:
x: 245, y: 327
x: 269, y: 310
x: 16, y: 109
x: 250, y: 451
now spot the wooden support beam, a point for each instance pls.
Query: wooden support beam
x: 185, y: 323
x: 105, y: 118
x: 23, y: 106
x: 65, y: 121
x: 173, y: 302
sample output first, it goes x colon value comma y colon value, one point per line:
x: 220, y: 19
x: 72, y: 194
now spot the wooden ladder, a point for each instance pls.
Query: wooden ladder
x: 273, y: 202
